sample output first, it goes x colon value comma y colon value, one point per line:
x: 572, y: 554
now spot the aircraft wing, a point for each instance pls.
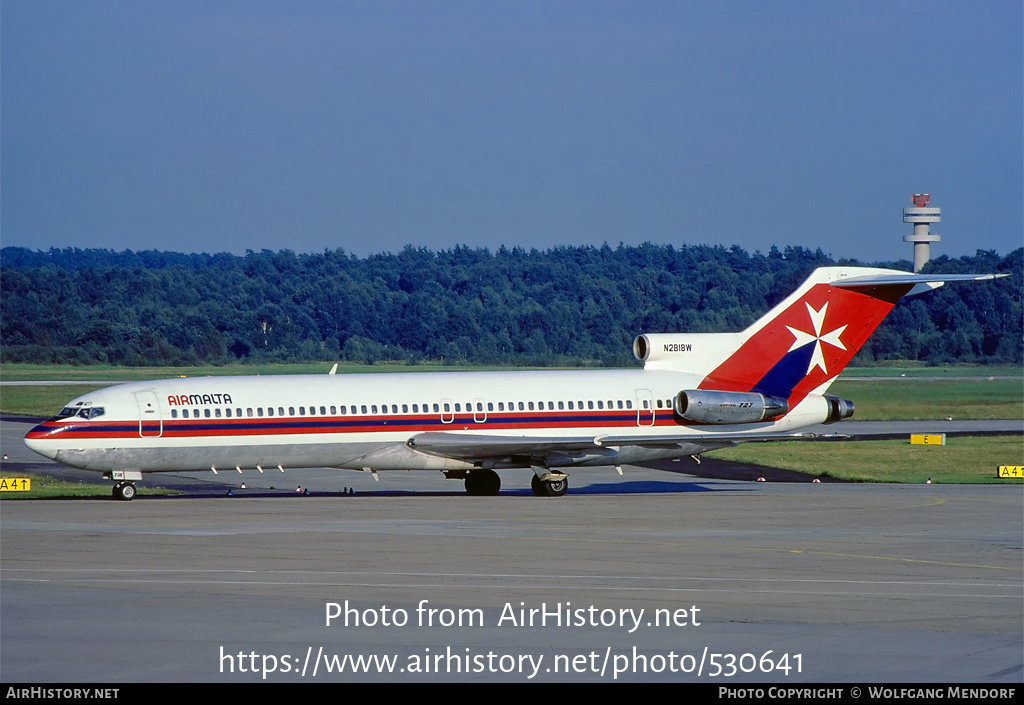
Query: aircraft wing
x: 471, y: 448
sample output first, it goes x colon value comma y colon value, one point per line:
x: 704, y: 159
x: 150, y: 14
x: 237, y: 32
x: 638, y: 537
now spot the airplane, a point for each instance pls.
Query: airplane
x: 695, y: 393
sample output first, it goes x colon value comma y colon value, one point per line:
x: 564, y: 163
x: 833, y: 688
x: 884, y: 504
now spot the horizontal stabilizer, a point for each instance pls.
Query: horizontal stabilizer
x: 908, y: 278
x: 920, y: 282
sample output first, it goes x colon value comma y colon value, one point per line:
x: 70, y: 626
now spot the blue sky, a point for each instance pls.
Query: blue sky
x: 227, y: 126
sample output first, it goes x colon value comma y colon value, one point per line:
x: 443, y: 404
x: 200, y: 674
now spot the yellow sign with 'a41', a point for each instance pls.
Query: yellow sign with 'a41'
x: 15, y: 484
x: 1011, y: 471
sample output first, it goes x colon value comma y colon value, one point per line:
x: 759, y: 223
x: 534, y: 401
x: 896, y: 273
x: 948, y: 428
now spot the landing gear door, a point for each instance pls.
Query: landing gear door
x: 151, y: 423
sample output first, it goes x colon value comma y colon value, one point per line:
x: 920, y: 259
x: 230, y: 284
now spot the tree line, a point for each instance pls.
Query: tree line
x: 563, y: 306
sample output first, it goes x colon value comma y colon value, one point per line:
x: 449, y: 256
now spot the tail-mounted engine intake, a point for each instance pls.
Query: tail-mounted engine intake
x: 703, y: 406
x: 838, y: 409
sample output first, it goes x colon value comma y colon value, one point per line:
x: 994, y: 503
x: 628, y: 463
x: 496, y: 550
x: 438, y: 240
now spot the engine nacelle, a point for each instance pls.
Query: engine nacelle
x: 838, y: 409
x: 705, y: 406
x: 697, y: 353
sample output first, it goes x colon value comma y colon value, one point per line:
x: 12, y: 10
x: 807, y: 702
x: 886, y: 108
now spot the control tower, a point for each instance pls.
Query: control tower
x: 921, y: 216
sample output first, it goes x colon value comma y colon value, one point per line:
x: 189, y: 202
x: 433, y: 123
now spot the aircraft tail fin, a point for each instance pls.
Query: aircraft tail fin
x: 801, y: 345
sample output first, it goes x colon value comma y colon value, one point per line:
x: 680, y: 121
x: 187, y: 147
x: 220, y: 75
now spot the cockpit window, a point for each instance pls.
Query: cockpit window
x: 83, y: 412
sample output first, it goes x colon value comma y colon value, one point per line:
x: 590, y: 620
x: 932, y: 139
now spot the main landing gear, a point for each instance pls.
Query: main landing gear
x: 124, y: 491
x: 486, y: 483
x: 553, y: 487
x: 482, y: 483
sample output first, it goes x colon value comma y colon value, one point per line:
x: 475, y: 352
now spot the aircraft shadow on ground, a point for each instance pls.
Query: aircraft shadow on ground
x: 626, y: 487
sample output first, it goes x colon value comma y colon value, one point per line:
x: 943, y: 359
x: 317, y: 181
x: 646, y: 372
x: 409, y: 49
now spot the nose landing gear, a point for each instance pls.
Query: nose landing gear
x: 123, y: 491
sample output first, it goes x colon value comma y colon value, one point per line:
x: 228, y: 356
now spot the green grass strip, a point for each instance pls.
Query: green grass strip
x: 960, y: 461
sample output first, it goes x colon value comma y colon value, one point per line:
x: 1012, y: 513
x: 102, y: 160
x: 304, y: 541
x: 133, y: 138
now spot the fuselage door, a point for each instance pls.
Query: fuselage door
x: 447, y: 411
x: 479, y: 410
x: 644, y: 407
x: 151, y: 423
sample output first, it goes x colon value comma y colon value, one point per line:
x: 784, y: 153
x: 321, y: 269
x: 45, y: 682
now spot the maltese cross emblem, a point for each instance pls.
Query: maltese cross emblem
x: 803, y: 338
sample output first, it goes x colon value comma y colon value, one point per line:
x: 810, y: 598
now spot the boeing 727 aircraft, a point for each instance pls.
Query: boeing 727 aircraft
x: 696, y: 393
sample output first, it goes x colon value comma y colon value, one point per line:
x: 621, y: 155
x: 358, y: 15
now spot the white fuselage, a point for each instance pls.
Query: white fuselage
x: 366, y: 421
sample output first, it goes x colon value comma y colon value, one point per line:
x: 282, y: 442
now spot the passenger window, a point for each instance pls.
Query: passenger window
x: 216, y: 412
x: 184, y: 413
x: 458, y: 406
x: 302, y: 411
x: 445, y: 407
x: 521, y: 405
x: 415, y: 408
x: 561, y: 405
x: 405, y: 408
x: 227, y: 412
x: 270, y: 411
x: 394, y: 408
x: 238, y: 413
x: 373, y: 409
x: 248, y: 411
x: 206, y: 413
x: 259, y: 411
x: 490, y: 406
x: 600, y: 404
x: 291, y: 411
x: 323, y: 411
x: 174, y: 413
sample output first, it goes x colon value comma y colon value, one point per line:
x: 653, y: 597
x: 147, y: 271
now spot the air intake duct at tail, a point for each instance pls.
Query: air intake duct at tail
x: 838, y: 409
x: 704, y: 406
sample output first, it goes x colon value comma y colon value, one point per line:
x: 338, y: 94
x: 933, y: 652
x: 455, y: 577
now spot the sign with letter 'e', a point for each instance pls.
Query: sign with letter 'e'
x: 928, y: 439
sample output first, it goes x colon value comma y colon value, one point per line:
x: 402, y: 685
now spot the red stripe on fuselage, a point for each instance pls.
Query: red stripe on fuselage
x: 291, y: 426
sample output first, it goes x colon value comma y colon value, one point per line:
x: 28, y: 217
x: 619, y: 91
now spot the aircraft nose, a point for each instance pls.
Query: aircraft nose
x: 38, y: 445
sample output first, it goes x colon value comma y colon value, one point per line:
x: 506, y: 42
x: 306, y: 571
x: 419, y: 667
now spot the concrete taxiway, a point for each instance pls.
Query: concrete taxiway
x: 848, y: 582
